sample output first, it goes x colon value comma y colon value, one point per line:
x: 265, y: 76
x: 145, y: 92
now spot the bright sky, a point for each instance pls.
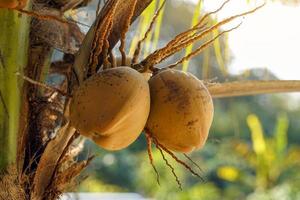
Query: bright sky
x: 268, y: 38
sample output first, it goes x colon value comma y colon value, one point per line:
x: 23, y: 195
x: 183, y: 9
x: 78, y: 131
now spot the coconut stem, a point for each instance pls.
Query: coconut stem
x: 102, y: 30
x: 201, y: 48
x: 245, y: 88
x: 149, y: 142
x: 176, y: 158
x: 193, y: 162
x: 125, y: 30
x: 169, y: 165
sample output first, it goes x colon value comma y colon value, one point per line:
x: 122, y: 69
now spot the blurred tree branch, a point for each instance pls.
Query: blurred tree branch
x: 244, y: 88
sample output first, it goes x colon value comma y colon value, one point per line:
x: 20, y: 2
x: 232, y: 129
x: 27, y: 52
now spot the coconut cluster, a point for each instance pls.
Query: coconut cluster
x: 114, y: 106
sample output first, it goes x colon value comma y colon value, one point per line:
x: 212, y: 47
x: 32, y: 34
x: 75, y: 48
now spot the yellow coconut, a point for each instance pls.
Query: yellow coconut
x: 111, y: 107
x: 181, y: 110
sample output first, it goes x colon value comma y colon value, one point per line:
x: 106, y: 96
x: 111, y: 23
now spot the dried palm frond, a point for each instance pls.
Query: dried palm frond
x: 11, y: 186
x: 186, y: 38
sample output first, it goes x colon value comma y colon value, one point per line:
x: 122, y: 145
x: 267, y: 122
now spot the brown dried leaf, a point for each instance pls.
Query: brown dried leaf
x: 119, y: 18
x: 62, y: 179
x: 62, y: 36
x: 49, y: 161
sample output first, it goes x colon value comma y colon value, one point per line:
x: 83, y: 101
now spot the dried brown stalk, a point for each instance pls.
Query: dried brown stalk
x: 70, y: 5
x: 81, y: 61
x: 106, y: 62
x: 138, y: 47
x: 210, y: 13
x: 69, y: 174
x: 184, y: 39
x: 106, y: 49
x: 169, y: 165
x: 178, y: 45
x: 49, y: 160
x: 125, y: 30
x: 244, y: 88
x: 42, y: 84
x: 201, y: 48
x: 102, y: 31
x: 162, y: 148
x: 156, y: 142
x: 199, y: 25
x: 149, y: 142
x: 191, y: 160
x: 44, y: 17
x: 64, y: 37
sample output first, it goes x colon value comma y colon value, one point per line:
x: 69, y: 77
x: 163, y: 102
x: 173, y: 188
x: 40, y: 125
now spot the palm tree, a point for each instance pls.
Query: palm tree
x: 37, y: 145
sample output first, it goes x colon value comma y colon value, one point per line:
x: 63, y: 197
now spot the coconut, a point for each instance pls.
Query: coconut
x: 111, y: 107
x: 181, y: 110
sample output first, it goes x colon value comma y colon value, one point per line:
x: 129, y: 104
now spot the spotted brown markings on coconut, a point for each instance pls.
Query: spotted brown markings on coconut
x: 174, y: 124
x: 123, y: 94
x: 179, y: 118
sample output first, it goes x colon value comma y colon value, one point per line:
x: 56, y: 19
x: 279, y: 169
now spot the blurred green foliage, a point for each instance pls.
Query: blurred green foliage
x: 264, y: 167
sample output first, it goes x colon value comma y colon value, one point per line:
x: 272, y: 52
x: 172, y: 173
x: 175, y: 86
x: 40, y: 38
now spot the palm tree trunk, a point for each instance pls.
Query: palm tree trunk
x: 14, y: 37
